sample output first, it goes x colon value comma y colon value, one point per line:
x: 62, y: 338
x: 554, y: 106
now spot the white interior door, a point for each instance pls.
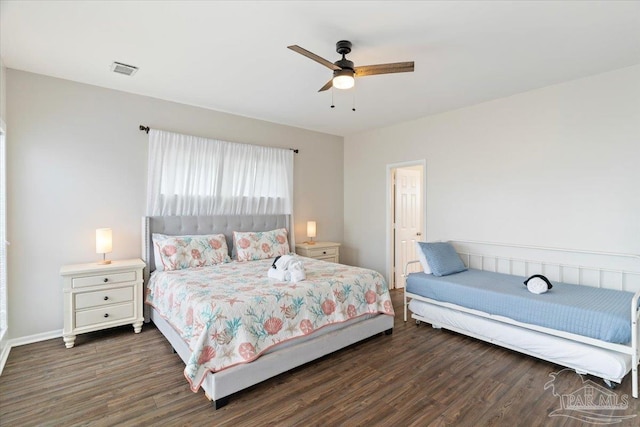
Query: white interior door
x: 408, y: 213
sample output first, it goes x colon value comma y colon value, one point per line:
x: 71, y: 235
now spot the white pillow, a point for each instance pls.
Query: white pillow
x: 423, y: 259
x: 156, y: 237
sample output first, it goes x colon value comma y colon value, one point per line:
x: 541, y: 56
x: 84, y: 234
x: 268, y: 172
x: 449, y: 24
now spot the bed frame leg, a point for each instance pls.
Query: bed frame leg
x: 404, y: 295
x: 219, y: 403
x: 634, y: 362
x: 388, y: 331
x: 634, y: 378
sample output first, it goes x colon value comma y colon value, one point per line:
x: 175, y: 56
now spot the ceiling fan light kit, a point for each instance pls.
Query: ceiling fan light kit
x: 343, y: 79
x: 344, y: 71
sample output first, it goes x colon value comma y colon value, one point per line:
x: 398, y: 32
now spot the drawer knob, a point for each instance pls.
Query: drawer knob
x: 324, y: 252
x: 106, y: 279
x: 106, y: 298
x: 106, y: 315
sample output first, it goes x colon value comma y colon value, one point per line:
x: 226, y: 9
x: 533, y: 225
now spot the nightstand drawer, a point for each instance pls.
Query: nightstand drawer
x: 322, y: 253
x: 104, y: 297
x: 128, y: 276
x: 104, y: 314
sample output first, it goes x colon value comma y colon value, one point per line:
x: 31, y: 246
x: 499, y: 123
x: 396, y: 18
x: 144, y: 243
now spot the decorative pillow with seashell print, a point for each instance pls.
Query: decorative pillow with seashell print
x: 255, y: 245
x: 179, y: 252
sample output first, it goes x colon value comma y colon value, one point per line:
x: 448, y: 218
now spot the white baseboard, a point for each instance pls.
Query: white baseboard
x: 4, y: 346
x: 4, y: 355
x: 15, y: 342
x: 9, y: 344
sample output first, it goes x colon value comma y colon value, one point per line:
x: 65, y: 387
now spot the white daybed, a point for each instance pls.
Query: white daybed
x: 220, y: 385
x: 585, y: 355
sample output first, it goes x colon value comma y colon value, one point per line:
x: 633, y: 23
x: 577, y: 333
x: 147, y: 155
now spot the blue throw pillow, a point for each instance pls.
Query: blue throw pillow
x: 442, y: 258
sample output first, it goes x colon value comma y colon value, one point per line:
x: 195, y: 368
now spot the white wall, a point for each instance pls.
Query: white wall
x: 77, y: 162
x: 3, y: 92
x: 556, y: 167
x: 4, y: 336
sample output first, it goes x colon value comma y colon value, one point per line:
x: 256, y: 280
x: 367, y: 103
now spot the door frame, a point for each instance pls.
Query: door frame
x: 390, y: 246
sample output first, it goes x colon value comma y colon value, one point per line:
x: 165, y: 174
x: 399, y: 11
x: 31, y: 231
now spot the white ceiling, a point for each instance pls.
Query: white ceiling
x: 232, y: 56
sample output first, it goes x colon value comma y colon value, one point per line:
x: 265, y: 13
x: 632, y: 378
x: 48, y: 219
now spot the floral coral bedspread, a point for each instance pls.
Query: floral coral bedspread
x: 232, y: 313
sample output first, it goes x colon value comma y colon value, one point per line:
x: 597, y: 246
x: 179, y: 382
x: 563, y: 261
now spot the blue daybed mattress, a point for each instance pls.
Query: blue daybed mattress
x: 603, y: 314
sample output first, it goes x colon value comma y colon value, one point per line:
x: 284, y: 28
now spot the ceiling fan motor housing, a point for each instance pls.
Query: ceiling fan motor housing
x: 343, y: 47
x: 344, y: 64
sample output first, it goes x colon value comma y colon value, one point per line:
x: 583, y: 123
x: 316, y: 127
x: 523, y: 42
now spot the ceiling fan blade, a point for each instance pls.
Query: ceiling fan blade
x: 396, y: 67
x: 326, y: 86
x: 315, y: 57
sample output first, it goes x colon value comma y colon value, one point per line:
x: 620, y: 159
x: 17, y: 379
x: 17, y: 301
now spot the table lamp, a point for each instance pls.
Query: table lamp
x: 311, y: 232
x: 104, y: 243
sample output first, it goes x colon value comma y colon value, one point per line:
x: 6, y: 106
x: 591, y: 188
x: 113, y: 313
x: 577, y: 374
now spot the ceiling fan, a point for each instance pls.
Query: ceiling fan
x: 344, y: 72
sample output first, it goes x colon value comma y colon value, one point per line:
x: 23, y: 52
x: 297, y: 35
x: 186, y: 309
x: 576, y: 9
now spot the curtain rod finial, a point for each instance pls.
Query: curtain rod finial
x: 144, y: 128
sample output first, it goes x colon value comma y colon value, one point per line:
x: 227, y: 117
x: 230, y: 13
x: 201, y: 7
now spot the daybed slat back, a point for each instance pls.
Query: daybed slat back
x: 624, y: 273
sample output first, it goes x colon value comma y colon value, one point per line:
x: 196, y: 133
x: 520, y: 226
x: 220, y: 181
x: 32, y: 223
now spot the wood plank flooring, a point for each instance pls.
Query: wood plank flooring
x: 419, y: 376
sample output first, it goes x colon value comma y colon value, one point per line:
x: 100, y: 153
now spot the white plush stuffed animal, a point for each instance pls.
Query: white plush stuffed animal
x: 538, y: 284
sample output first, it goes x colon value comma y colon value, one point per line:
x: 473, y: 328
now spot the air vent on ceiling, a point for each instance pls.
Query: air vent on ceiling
x: 127, y: 70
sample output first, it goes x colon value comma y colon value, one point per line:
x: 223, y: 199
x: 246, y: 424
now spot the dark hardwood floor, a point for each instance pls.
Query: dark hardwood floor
x: 417, y: 376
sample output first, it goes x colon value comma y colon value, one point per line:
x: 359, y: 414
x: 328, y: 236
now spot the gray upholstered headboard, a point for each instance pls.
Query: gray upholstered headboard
x: 211, y: 224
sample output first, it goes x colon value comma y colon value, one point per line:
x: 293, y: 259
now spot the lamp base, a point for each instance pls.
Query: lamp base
x: 104, y: 262
x: 311, y: 242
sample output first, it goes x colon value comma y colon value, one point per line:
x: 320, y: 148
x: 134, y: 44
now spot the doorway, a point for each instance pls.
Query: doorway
x: 407, y: 217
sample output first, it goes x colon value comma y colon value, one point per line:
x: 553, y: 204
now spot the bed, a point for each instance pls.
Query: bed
x: 606, y: 348
x: 356, y: 304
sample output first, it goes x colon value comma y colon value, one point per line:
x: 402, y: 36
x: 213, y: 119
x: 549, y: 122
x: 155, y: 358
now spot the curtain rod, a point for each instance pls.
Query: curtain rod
x: 147, y: 128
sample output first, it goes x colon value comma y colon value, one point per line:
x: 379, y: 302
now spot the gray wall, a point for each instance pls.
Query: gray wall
x: 77, y: 162
x: 555, y: 167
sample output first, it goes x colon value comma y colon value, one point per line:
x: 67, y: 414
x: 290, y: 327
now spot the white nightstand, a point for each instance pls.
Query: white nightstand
x: 101, y: 296
x: 328, y: 251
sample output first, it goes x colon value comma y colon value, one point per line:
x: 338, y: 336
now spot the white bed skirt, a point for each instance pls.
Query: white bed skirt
x: 584, y: 358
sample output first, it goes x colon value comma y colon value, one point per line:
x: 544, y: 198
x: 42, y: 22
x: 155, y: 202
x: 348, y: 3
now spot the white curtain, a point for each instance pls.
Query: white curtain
x: 188, y: 175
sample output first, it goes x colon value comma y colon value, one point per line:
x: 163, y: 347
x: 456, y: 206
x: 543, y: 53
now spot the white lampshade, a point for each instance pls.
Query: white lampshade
x: 311, y: 229
x: 104, y: 244
x: 343, y: 81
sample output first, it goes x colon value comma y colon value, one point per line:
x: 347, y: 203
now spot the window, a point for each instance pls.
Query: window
x: 188, y: 175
